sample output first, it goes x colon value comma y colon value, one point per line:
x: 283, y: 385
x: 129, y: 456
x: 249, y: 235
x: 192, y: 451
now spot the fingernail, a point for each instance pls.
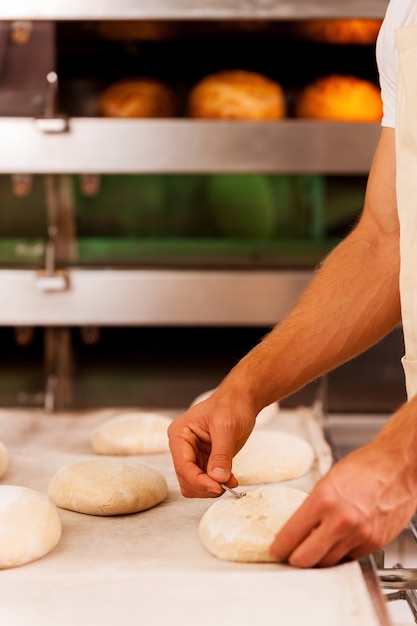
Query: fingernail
x: 220, y: 472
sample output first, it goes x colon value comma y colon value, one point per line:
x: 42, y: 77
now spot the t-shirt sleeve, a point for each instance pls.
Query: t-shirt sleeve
x: 387, y: 62
x: 399, y: 13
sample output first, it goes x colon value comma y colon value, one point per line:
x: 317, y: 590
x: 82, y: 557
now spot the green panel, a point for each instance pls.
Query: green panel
x: 203, y: 252
x: 227, y: 206
x: 197, y: 220
x: 21, y: 251
x: 242, y: 207
x: 141, y: 205
x: 344, y: 201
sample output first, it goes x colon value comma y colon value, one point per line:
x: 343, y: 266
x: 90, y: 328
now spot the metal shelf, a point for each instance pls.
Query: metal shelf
x: 103, y: 146
x: 95, y: 145
x: 189, y: 9
x: 150, y: 297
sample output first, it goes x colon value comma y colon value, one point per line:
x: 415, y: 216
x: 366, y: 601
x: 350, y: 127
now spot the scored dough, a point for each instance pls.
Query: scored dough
x: 107, y: 487
x: 132, y: 433
x: 30, y: 526
x: 4, y: 459
x: 242, y: 529
x: 271, y: 456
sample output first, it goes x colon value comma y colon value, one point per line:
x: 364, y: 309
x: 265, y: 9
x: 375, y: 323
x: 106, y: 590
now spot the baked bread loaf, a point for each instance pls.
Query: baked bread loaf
x: 342, y: 98
x: 237, y: 94
x: 340, y: 31
x: 137, y: 30
x: 137, y: 97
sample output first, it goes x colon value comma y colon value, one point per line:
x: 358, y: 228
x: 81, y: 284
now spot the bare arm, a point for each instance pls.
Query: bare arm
x: 351, y: 303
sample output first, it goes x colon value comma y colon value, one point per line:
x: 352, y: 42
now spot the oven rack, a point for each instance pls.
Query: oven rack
x: 56, y: 145
x: 59, y: 296
x: 189, y: 9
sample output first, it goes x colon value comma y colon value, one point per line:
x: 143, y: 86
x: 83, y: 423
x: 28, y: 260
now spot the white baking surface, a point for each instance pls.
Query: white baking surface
x: 150, y: 567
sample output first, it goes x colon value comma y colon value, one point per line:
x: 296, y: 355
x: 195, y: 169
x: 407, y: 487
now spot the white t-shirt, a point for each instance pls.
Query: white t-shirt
x: 399, y: 13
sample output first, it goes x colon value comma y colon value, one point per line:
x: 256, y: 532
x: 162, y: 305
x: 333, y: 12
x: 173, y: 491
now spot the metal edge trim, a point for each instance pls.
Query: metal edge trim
x: 369, y: 572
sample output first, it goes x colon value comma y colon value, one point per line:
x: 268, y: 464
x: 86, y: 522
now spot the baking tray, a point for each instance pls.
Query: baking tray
x: 151, y: 566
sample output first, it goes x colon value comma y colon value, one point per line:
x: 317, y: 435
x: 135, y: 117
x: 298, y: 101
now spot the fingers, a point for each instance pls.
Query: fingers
x: 190, y: 454
x: 321, y: 534
x: 202, y: 460
x: 202, y: 449
x: 191, y: 463
x: 357, y: 508
x: 318, y: 533
x: 317, y: 551
x: 292, y: 536
x: 196, y: 484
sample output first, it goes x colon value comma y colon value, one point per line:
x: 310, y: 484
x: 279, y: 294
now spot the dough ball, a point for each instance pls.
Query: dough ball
x: 203, y: 396
x: 29, y: 525
x: 242, y: 529
x: 237, y: 94
x: 4, y: 459
x: 271, y: 456
x: 107, y: 487
x: 140, y: 97
x: 267, y: 414
x: 132, y: 433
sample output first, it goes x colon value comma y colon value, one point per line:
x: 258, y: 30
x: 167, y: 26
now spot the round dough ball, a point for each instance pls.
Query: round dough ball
x: 237, y: 94
x: 242, y: 529
x: 342, y: 98
x: 137, y: 98
x: 107, y: 487
x: 202, y: 396
x: 4, y: 459
x: 270, y: 456
x: 132, y: 433
x: 29, y: 525
x: 267, y: 414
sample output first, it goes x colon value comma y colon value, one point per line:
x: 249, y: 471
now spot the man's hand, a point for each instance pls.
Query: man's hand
x: 203, y: 442
x: 358, y: 507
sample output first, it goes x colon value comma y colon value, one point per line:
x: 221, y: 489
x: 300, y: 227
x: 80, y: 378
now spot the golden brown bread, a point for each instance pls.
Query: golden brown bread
x: 341, y: 31
x: 137, y: 97
x: 237, y: 94
x: 137, y: 30
x: 343, y: 98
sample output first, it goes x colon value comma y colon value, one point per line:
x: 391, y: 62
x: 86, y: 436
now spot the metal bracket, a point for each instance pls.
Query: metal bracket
x: 398, y: 577
x: 52, y: 125
x: 405, y: 581
x: 56, y: 282
x: 51, y: 279
x: 51, y: 122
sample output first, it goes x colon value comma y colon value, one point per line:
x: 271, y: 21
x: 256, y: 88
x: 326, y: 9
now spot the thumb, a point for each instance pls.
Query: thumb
x: 219, y: 466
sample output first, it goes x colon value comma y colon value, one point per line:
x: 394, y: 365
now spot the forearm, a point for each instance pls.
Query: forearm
x: 351, y: 303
